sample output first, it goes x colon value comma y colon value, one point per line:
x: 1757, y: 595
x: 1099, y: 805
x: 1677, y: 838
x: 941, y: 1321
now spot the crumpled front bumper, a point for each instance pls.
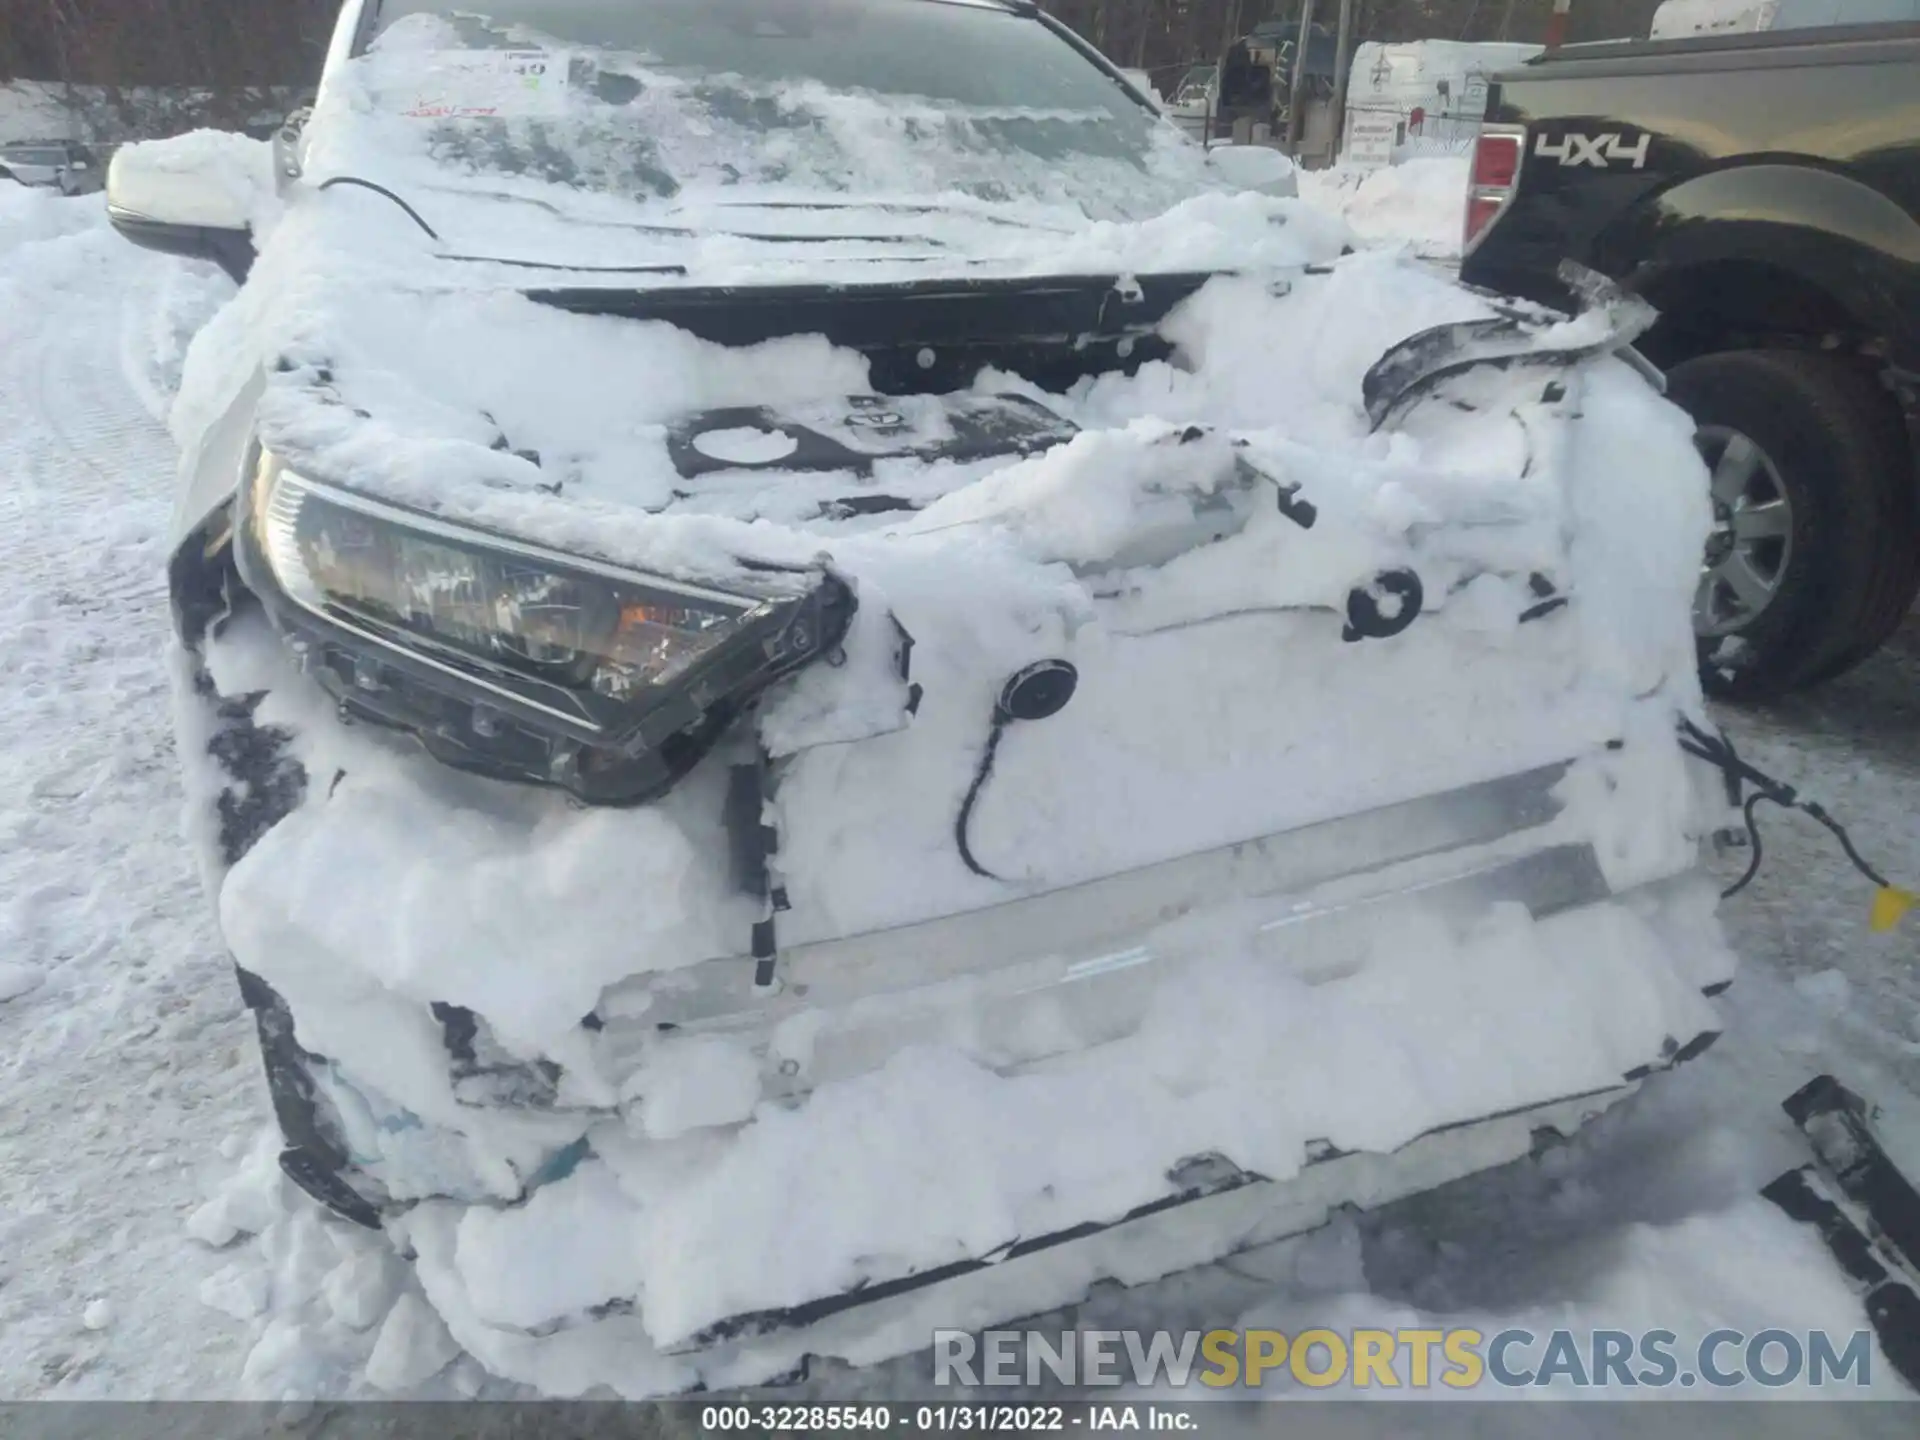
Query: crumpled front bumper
x: 1041, y: 984
x: 1337, y: 1012
x: 1052, y: 974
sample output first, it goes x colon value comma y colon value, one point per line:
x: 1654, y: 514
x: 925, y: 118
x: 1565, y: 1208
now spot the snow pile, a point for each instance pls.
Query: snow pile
x: 30, y: 216
x: 155, y: 333
x: 123, y: 1050
x: 155, y: 337
x: 1103, y: 1134
x: 1420, y: 201
x: 336, y: 1309
x: 1221, y: 700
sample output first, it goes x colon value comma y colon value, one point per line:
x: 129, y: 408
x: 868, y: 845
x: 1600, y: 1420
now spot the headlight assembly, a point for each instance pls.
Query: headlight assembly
x: 513, y: 658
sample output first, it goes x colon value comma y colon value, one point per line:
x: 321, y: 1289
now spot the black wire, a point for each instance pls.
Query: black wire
x: 333, y: 180
x: 1846, y: 844
x: 1718, y: 750
x: 1715, y: 749
x: 980, y: 777
x: 1753, y: 843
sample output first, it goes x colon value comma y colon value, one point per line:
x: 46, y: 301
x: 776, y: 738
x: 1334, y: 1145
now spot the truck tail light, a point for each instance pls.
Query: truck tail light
x: 1497, y: 154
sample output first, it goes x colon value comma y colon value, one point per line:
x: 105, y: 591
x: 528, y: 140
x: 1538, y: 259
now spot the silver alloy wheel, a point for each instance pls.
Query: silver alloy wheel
x: 1752, y: 540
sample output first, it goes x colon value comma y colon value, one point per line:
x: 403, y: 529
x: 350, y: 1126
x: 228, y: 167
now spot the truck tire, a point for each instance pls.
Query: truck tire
x: 1815, y: 557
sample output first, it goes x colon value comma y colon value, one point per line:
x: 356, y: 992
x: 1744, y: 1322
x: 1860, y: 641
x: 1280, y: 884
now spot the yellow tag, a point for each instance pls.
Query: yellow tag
x: 1890, y: 907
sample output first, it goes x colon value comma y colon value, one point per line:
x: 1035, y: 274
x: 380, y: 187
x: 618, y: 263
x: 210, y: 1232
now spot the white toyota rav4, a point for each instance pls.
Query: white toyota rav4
x: 833, y: 683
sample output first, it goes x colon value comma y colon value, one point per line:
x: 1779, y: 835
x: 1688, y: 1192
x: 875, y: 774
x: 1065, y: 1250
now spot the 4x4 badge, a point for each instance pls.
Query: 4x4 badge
x: 1609, y: 147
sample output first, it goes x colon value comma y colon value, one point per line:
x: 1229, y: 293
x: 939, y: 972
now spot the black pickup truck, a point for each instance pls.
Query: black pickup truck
x: 1763, y: 191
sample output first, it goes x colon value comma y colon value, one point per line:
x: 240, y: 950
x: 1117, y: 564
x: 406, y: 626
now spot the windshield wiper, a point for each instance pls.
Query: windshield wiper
x: 689, y: 232
x: 563, y: 265
x: 894, y: 207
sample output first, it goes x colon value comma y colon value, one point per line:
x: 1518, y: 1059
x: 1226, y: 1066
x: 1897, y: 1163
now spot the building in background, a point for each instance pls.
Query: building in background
x: 1422, y: 97
x: 1676, y: 18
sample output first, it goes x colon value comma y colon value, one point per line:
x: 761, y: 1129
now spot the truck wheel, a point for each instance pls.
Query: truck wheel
x: 1815, y: 553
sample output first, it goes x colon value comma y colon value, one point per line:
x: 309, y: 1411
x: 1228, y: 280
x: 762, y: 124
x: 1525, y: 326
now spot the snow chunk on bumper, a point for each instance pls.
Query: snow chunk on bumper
x: 936, y: 1159
x: 523, y: 912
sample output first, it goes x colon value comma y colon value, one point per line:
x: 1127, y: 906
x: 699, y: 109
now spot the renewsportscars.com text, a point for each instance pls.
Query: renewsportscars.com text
x: 1455, y: 1359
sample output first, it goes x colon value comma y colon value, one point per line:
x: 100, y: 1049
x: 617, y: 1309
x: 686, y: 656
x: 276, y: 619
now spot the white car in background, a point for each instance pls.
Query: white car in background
x: 63, y: 165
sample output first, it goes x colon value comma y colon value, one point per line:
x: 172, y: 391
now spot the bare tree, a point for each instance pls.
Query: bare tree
x: 1168, y: 34
x: 239, y: 57
x: 167, y: 62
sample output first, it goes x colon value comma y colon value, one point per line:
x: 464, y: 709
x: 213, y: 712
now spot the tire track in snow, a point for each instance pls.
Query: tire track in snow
x: 132, y: 1058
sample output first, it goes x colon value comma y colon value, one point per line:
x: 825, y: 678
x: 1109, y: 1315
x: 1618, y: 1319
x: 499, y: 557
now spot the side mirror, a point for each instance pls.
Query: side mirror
x: 194, y: 195
x: 1254, y: 167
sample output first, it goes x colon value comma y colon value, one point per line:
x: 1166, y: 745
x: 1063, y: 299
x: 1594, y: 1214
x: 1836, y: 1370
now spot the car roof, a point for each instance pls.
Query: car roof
x: 367, y: 23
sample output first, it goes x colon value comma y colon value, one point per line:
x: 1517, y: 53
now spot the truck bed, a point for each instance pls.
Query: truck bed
x: 1766, y: 50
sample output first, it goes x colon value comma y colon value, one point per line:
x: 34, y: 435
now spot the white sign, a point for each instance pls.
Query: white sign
x: 481, y: 84
x: 1473, y: 100
x: 1371, y: 136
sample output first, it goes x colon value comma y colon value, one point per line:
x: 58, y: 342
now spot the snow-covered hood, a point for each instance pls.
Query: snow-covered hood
x: 453, y: 372
x: 771, y: 401
x: 537, y: 293
x: 527, y: 271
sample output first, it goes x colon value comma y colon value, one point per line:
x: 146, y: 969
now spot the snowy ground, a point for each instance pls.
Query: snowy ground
x: 122, y: 1039
x: 128, y: 1080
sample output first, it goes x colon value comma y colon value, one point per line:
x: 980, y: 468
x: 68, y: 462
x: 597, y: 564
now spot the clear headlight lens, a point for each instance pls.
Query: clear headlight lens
x: 411, y: 579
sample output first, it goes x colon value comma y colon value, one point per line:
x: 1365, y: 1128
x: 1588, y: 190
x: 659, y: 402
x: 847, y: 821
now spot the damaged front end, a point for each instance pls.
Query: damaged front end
x: 1062, y: 936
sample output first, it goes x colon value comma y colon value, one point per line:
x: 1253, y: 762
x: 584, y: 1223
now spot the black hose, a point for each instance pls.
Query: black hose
x: 1718, y: 750
x: 334, y: 180
x: 1753, y: 844
x: 1846, y: 844
x: 981, y: 775
x: 1034, y: 692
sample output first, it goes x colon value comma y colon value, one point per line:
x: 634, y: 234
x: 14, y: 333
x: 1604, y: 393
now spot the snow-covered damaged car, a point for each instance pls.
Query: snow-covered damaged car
x: 831, y: 683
